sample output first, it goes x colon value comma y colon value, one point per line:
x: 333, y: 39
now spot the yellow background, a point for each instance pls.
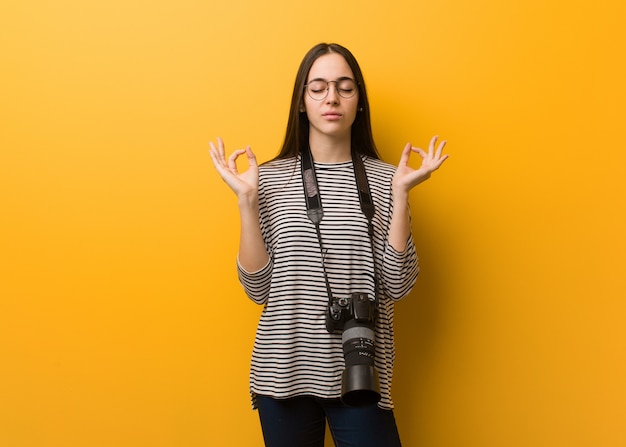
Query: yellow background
x: 121, y: 319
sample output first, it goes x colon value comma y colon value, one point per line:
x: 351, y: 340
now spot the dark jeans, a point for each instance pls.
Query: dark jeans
x: 301, y: 422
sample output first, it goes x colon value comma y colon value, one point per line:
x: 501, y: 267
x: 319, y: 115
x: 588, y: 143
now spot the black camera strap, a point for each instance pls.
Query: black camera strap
x: 315, y: 211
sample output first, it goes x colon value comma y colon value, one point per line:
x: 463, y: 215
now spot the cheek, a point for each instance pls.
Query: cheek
x: 353, y: 110
x: 308, y: 106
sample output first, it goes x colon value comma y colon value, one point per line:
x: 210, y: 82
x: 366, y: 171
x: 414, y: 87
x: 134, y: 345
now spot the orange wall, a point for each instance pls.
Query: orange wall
x: 121, y: 319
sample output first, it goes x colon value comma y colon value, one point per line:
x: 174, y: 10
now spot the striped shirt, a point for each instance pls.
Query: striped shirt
x: 293, y: 353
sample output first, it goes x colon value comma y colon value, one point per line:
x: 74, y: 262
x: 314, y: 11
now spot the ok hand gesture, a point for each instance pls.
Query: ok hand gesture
x: 245, y: 184
x: 406, y: 177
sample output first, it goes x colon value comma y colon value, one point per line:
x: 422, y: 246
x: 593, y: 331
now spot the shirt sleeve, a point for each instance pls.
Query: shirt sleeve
x: 256, y: 284
x: 400, y: 270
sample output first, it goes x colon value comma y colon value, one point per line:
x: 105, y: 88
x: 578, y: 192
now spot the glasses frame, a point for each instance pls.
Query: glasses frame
x: 356, y: 90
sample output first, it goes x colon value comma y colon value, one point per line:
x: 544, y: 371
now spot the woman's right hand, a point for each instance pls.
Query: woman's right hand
x: 245, y: 184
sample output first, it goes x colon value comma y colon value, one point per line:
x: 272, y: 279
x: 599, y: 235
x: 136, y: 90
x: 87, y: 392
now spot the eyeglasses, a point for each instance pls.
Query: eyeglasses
x: 318, y: 88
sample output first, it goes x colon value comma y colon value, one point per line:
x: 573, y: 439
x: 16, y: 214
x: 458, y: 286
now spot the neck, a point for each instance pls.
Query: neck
x: 330, y: 150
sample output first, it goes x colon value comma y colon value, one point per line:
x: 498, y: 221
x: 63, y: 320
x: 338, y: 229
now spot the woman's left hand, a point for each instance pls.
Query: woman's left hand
x: 406, y: 177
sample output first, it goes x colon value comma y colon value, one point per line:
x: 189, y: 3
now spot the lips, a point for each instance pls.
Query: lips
x: 332, y: 115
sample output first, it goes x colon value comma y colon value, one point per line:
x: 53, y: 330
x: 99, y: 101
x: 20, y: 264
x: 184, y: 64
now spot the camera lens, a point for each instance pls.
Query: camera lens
x: 360, y: 380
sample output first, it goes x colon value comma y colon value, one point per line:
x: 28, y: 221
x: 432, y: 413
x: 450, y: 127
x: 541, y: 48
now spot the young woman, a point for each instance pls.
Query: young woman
x: 308, y: 242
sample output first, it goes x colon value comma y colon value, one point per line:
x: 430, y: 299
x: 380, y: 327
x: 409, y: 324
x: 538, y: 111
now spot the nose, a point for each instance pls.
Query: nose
x: 333, y: 96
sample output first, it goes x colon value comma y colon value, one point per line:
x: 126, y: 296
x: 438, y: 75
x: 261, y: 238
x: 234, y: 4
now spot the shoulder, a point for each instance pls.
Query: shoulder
x: 377, y: 168
x: 279, y: 165
x: 278, y: 172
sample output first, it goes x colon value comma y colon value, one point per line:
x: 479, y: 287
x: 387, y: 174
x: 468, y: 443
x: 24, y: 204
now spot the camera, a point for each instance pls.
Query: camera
x: 356, y: 316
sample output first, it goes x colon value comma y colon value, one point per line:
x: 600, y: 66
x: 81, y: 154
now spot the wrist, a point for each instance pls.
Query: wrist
x: 399, y: 195
x: 248, y: 203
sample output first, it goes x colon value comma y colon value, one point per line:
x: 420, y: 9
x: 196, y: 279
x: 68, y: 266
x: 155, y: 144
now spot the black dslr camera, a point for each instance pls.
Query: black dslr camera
x: 355, y: 316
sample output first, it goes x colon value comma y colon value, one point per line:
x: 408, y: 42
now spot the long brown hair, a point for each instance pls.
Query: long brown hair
x: 297, y: 135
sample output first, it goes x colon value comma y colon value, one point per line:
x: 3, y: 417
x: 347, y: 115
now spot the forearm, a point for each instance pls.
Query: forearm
x: 253, y: 255
x: 400, y: 225
x: 400, y: 265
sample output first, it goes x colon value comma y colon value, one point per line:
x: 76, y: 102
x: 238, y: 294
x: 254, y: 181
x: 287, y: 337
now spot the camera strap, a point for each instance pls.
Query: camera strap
x: 315, y: 211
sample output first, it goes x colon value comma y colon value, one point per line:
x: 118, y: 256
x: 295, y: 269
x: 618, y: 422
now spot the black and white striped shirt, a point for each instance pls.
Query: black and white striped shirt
x: 293, y: 353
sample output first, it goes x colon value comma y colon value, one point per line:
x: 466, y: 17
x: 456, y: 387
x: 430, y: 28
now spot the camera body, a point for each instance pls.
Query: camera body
x: 358, y: 306
x: 355, y: 318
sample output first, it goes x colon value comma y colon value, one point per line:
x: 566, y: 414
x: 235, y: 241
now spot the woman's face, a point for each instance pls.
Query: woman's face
x: 333, y: 115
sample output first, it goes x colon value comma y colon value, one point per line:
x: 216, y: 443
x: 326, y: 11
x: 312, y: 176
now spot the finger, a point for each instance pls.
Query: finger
x: 439, y: 161
x: 216, y: 156
x: 232, y: 160
x: 220, y: 150
x: 404, y: 156
x: 440, y: 148
x: 220, y: 145
x: 212, y: 147
x: 424, y: 156
x: 218, y: 161
x: 433, y: 142
x: 420, y: 152
x: 213, y: 152
x: 251, y: 157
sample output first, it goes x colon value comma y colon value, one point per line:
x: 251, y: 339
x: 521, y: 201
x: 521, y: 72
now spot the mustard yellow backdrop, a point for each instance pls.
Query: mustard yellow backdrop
x: 121, y: 319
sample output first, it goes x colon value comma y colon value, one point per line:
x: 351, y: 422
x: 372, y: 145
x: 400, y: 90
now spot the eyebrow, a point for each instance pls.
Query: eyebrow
x: 343, y: 78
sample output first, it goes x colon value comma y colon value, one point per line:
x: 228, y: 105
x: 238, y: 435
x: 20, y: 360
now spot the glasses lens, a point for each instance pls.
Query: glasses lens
x: 317, y: 89
x: 346, y: 88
